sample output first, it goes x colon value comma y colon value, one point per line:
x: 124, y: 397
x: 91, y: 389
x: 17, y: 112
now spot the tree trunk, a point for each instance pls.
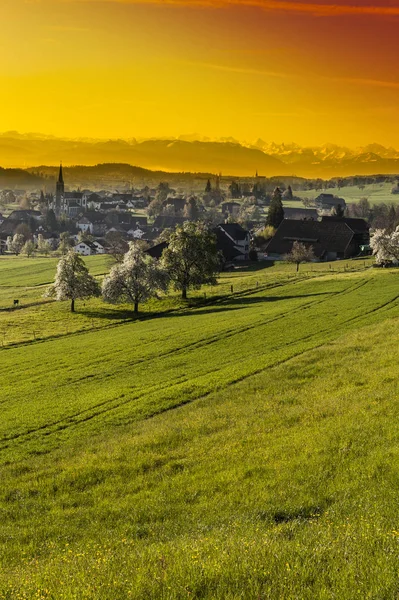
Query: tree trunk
x: 184, y: 293
x: 297, y: 267
x: 73, y: 305
x: 136, y: 307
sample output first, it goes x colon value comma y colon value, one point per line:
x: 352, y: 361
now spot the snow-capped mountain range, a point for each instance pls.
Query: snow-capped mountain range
x: 191, y: 153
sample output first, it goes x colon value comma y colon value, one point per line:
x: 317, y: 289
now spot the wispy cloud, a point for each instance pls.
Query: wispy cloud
x: 62, y: 28
x: 367, y: 82
x: 283, y: 75
x: 241, y: 70
x: 314, y: 8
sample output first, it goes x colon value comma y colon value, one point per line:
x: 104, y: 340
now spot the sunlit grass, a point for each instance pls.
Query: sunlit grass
x: 242, y: 446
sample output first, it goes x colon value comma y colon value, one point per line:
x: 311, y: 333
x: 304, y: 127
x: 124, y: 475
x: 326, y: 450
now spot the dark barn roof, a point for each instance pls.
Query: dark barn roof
x: 226, y: 246
x: 234, y: 230
x: 324, y: 237
x: 156, y: 251
x: 358, y: 226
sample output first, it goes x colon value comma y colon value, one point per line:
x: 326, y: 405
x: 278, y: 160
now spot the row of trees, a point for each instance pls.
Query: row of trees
x: 190, y: 261
x: 18, y: 244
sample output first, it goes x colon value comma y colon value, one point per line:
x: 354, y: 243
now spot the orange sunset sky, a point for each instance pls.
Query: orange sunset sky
x: 307, y: 71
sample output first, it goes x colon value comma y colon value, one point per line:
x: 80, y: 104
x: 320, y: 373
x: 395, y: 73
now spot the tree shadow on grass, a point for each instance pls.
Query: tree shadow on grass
x: 250, y: 267
x: 131, y: 316
x: 267, y: 299
x: 223, y: 305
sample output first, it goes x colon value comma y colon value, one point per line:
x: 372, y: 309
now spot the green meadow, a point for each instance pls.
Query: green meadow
x: 243, y: 444
x: 376, y: 193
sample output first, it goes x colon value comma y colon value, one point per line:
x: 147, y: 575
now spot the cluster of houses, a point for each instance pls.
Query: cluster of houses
x: 99, y: 215
x: 233, y: 240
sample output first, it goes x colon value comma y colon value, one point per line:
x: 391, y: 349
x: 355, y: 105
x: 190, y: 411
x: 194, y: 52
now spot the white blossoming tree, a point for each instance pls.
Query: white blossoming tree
x: 299, y: 254
x: 135, y: 280
x: 17, y: 243
x: 43, y: 246
x: 28, y: 248
x: 385, y: 246
x: 73, y: 280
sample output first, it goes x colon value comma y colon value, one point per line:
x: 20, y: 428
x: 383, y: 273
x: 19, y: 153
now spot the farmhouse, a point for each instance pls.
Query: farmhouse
x: 85, y: 225
x: 237, y: 237
x: 89, y: 248
x: 329, y: 202
x: 330, y: 238
x: 92, y: 222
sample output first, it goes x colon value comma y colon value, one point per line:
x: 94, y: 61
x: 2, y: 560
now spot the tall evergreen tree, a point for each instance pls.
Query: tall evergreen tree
x: 276, y: 210
x: 51, y: 221
x: 208, y: 188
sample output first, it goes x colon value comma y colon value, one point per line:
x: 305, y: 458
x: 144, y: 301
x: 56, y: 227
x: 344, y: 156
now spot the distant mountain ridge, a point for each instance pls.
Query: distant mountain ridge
x: 185, y: 154
x: 335, y: 160
x: 163, y: 155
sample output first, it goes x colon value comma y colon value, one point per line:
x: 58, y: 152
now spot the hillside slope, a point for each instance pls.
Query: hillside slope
x: 245, y: 448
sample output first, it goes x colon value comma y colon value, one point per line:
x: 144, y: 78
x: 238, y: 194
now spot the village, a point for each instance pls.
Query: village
x: 250, y: 222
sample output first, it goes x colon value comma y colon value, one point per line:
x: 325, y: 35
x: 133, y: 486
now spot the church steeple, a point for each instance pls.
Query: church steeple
x: 59, y: 192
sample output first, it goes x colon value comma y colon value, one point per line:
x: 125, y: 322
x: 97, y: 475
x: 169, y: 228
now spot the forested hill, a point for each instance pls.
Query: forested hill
x: 113, y: 172
x: 19, y: 178
x: 103, y: 175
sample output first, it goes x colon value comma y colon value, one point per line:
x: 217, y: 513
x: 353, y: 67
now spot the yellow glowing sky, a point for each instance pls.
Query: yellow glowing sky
x: 310, y: 72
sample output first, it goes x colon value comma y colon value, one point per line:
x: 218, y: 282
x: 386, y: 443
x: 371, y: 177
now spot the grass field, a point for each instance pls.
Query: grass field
x: 377, y: 193
x: 239, y: 446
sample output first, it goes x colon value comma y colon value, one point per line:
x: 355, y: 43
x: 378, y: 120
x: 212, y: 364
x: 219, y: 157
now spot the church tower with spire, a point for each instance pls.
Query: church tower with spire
x: 59, y: 192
